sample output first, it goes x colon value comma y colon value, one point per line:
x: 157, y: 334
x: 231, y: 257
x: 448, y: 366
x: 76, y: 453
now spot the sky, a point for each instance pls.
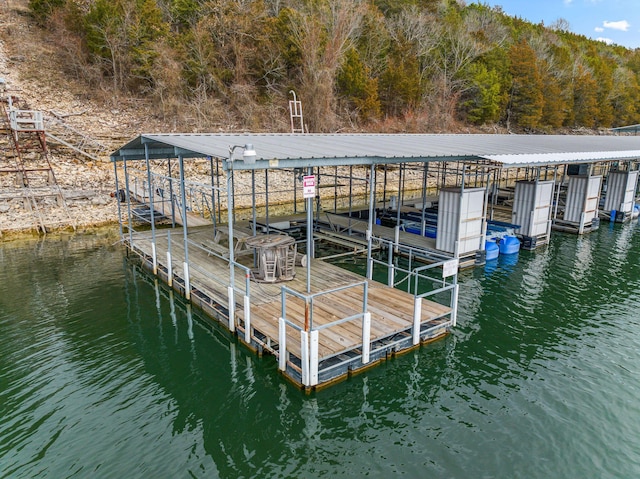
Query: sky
x: 611, y: 21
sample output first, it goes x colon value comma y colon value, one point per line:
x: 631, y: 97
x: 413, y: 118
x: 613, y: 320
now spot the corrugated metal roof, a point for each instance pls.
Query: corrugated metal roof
x: 561, y: 158
x: 506, y: 149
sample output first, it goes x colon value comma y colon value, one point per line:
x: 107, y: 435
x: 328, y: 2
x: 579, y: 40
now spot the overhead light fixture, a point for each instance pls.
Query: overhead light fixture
x: 249, y: 154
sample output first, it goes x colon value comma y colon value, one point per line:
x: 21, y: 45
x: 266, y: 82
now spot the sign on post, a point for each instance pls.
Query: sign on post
x: 449, y: 268
x: 309, y: 186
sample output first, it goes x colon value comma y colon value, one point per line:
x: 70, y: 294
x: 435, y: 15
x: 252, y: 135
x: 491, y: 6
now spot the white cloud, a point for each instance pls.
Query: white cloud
x: 622, y: 25
x: 608, y: 41
x: 599, y: 29
x: 568, y: 2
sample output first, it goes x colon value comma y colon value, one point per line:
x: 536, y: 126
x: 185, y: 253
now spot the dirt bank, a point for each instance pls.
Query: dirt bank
x: 33, y: 75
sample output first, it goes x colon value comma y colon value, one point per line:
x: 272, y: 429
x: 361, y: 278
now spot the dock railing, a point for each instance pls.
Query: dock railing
x: 224, y: 280
x: 163, y: 196
x: 309, y: 332
x: 426, y: 281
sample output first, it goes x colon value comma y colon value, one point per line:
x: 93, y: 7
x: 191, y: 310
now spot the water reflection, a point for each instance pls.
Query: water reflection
x: 583, y: 258
x: 103, y: 369
x: 622, y: 244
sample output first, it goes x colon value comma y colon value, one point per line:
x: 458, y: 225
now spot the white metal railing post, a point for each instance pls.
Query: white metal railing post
x: 366, y: 337
x: 232, y: 309
x: 304, y: 357
x: 187, y: 281
x: 391, y: 274
x: 282, y: 344
x: 313, y: 357
x: 454, y: 306
x: 151, y: 210
x: 247, y: 319
x: 169, y: 264
x: 396, y: 236
x: 370, y: 222
x: 417, y: 313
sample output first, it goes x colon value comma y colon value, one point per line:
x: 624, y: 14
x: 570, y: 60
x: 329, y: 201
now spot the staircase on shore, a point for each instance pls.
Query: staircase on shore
x: 26, y: 170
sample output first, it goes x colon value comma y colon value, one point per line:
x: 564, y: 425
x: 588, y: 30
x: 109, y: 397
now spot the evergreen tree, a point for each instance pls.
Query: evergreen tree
x: 585, y: 100
x: 526, y: 100
x: 484, y: 97
x: 356, y: 85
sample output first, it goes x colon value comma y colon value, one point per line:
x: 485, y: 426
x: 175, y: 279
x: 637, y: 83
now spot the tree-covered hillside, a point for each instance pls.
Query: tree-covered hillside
x: 377, y: 65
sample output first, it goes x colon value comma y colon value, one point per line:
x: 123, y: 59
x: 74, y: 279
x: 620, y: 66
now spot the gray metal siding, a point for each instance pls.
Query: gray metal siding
x: 460, y: 220
x: 621, y: 190
x: 583, y: 195
x: 532, y: 207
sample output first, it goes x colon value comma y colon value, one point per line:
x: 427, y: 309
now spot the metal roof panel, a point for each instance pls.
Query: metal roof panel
x: 407, y: 147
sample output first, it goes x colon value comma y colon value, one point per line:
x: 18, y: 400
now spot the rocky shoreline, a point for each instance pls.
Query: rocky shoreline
x: 31, y: 75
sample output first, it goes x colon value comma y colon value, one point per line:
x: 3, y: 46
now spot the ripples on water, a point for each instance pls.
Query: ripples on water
x: 105, y: 374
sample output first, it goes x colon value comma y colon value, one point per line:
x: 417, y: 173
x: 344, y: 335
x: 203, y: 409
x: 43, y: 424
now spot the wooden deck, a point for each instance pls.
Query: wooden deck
x: 391, y: 310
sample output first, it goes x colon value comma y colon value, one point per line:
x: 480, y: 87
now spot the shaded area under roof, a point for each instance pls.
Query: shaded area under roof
x: 297, y: 150
x: 627, y: 129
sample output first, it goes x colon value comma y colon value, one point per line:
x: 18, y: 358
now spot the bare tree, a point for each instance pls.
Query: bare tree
x: 323, y: 32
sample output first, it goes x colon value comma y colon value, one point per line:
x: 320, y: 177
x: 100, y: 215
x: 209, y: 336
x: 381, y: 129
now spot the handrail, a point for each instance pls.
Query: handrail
x: 308, y: 299
x: 416, y: 273
x: 246, y: 270
x: 309, y: 335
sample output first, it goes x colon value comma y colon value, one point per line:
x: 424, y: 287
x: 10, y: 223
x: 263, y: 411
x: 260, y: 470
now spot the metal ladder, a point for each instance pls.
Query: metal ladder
x: 58, y: 131
x: 35, y: 180
x: 295, y: 113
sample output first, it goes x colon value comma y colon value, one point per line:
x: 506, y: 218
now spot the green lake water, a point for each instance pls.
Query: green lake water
x: 103, y: 374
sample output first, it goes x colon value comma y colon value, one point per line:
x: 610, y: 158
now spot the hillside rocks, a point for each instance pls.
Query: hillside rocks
x: 35, y: 81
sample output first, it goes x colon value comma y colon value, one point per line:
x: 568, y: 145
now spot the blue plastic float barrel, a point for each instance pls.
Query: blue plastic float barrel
x: 492, y: 250
x: 509, y: 245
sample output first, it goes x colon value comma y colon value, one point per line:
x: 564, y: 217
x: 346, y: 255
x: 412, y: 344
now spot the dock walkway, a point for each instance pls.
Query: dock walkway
x: 260, y: 305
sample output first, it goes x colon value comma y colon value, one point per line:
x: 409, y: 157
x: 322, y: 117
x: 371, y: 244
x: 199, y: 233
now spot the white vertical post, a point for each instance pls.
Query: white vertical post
x: 417, y: 313
x: 282, y: 344
x: 391, y: 273
x: 247, y: 319
x: 369, y: 256
x: 232, y: 309
x: 396, y: 237
x: 372, y: 199
x: 366, y: 337
x: 304, y: 353
x: 187, y: 282
x: 310, y: 252
x: 454, y: 306
x: 154, y: 257
x: 169, y: 270
x: 313, y: 357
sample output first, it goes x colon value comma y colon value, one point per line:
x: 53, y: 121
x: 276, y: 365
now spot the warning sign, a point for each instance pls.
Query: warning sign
x: 449, y: 268
x: 309, y: 186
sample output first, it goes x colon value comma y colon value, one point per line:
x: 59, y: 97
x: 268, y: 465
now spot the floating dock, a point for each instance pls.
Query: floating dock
x: 345, y: 323
x: 179, y: 195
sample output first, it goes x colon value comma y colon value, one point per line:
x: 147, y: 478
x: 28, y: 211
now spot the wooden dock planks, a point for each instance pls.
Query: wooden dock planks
x: 391, y: 309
